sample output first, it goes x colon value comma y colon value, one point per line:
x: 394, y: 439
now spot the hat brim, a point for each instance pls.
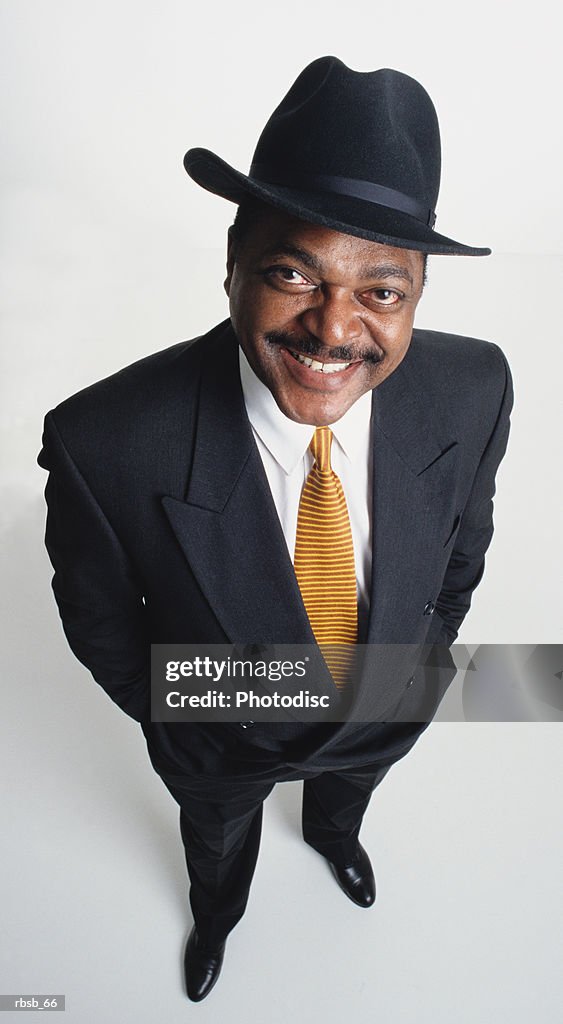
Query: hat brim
x: 341, y: 213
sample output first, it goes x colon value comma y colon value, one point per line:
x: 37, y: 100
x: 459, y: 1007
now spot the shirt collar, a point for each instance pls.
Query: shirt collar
x: 286, y: 440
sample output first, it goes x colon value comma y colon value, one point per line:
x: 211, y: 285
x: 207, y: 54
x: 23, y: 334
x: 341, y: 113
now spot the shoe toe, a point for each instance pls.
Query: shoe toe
x: 356, y: 879
x: 202, y: 967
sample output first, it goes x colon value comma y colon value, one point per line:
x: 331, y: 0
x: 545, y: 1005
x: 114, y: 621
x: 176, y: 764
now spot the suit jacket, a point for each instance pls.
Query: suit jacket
x: 161, y: 527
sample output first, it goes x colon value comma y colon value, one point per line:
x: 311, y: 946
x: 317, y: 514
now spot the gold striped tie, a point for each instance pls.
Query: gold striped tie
x: 324, y: 561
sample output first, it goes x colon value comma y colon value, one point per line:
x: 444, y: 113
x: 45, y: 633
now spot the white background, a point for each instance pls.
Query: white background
x: 109, y: 252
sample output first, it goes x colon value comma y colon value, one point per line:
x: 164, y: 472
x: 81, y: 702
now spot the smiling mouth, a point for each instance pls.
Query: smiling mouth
x: 317, y: 365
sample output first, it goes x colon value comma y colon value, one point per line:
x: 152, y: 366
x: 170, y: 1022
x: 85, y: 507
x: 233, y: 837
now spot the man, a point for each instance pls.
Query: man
x: 312, y: 470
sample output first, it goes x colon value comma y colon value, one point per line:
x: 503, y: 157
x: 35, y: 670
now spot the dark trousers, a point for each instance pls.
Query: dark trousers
x: 220, y: 827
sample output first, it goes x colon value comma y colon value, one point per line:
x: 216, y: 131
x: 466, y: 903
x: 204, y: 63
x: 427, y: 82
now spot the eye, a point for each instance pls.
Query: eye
x: 286, y: 276
x: 385, y: 296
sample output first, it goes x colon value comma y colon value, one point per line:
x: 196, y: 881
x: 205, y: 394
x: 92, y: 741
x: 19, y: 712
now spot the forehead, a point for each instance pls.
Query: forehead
x: 278, y: 233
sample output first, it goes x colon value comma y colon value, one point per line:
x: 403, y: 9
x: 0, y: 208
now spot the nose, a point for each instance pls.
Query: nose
x: 333, y: 317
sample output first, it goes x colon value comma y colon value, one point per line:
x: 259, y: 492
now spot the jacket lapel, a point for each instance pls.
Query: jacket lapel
x: 228, y: 527
x: 414, y: 484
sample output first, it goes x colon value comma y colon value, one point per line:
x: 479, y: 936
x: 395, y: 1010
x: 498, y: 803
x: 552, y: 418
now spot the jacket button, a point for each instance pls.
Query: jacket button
x: 246, y: 725
x: 410, y: 682
x: 429, y: 607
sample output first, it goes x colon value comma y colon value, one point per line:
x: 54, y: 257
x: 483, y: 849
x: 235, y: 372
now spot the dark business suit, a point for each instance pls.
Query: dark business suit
x: 162, y: 529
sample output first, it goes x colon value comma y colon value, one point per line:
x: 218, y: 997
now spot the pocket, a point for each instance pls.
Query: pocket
x: 454, y: 529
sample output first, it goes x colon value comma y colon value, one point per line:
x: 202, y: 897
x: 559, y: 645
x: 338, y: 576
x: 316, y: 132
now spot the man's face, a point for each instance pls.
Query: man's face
x: 301, y: 292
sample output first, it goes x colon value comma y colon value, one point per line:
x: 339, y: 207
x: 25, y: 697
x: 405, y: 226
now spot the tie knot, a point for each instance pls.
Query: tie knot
x: 320, y: 448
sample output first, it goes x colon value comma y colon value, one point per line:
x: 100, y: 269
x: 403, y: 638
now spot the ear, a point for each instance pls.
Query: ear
x: 230, y: 260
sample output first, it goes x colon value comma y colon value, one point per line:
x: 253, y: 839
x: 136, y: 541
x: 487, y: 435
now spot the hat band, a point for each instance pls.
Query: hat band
x: 353, y: 187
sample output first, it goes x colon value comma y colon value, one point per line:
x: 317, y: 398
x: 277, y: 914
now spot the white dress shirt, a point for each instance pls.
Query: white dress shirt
x: 284, y: 447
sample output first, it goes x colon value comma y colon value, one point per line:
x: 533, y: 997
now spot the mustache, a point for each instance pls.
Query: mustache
x: 314, y: 349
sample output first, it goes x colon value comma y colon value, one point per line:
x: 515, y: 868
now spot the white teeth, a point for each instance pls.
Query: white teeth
x: 314, y: 364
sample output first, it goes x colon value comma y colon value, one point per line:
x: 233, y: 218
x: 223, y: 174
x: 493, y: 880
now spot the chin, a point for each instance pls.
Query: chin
x: 316, y: 412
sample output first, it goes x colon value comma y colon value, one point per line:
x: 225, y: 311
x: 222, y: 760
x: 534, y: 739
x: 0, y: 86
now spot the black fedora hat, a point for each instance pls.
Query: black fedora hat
x: 357, y: 152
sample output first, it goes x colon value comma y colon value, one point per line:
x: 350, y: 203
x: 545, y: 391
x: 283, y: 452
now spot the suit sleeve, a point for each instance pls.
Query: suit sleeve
x: 467, y: 561
x: 99, y: 600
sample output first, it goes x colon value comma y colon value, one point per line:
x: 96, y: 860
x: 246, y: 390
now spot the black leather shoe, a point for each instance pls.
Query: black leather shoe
x: 356, y: 878
x: 202, y: 966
